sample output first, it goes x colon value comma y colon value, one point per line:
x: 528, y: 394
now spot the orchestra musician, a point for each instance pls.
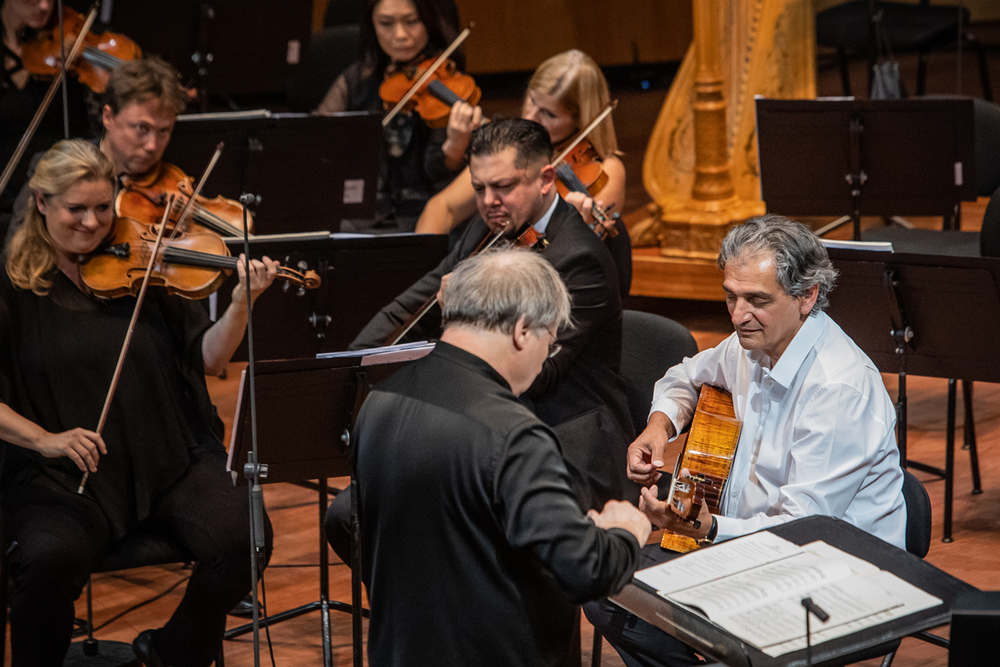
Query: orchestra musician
x: 579, y: 392
x: 565, y: 93
x: 21, y: 94
x: 418, y: 161
x: 475, y: 551
x: 141, y: 103
x: 818, y: 434
x: 158, y: 466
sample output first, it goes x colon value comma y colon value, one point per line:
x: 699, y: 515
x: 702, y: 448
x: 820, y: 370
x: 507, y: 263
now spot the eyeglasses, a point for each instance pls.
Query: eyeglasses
x: 554, y: 347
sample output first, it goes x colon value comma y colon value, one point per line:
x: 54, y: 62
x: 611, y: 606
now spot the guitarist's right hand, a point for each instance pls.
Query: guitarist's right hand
x: 646, y: 454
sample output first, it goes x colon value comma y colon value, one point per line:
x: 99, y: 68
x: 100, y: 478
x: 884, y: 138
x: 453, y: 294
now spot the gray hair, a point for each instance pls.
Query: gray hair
x: 800, y: 260
x: 494, y: 289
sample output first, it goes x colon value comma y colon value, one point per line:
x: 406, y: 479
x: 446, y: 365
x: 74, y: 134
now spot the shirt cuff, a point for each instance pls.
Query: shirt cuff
x: 670, y: 409
x: 728, y: 528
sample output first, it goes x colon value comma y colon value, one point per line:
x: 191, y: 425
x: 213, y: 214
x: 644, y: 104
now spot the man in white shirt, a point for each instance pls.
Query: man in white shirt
x: 818, y: 425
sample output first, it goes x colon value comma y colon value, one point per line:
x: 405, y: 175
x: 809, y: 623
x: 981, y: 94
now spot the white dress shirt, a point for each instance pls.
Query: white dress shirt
x: 818, y: 432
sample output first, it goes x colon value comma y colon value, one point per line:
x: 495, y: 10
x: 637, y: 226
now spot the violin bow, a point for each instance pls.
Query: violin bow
x: 428, y: 74
x: 131, y: 329
x: 488, y: 242
x: 587, y: 130
x: 44, y: 106
x: 189, y: 206
x: 601, y: 215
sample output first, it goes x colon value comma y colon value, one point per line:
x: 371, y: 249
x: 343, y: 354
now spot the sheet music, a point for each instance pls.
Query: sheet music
x: 754, y: 590
x: 722, y: 560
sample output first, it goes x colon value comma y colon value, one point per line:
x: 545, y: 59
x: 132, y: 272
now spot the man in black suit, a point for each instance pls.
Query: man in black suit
x: 579, y: 392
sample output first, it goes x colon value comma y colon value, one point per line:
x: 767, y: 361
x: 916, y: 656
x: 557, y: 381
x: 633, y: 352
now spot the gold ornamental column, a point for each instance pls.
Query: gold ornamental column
x: 696, y: 231
x: 700, y: 167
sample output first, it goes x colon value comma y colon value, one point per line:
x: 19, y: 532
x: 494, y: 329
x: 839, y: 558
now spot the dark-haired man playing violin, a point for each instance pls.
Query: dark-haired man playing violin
x: 578, y: 392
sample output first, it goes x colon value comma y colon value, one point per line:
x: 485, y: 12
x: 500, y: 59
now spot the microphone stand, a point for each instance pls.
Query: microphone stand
x: 812, y: 608
x: 252, y: 470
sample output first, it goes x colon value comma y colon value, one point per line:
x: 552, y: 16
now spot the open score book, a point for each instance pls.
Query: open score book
x: 753, y: 586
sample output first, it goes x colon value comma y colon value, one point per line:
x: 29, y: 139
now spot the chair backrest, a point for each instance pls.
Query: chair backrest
x: 650, y: 345
x: 328, y: 53
x: 989, y: 236
x: 918, y: 515
x: 987, y: 140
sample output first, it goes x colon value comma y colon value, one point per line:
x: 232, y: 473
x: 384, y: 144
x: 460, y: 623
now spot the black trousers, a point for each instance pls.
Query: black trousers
x: 638, y: 643
x: 61, y: 537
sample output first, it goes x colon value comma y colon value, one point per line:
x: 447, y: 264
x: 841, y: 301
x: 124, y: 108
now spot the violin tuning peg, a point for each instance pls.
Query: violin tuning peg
x: 301, y: 291
x: 285, y: 285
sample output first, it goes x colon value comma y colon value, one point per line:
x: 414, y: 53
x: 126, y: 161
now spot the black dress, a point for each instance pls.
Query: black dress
x: 413, y: 164
x: 164, y: 471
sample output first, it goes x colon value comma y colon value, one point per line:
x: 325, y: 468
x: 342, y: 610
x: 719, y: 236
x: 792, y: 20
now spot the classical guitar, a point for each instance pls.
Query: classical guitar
x: 708, y: 457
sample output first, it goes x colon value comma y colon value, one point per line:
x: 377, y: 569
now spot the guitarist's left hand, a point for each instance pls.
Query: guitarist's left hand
x: 662, y: 516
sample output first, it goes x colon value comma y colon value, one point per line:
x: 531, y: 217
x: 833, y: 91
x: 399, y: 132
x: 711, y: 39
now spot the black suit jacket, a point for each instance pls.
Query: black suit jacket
x: 579, y: 392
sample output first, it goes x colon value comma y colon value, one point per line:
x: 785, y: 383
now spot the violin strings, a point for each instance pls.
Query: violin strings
x: 100, y: 58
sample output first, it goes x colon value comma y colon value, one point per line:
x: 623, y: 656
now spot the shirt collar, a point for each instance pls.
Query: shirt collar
x: 543, y: 222
x: 798, y: 349
x: 461, y: 357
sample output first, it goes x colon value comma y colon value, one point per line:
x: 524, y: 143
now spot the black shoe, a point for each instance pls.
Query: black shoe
x: 143, y: 647
x: 243, y: 608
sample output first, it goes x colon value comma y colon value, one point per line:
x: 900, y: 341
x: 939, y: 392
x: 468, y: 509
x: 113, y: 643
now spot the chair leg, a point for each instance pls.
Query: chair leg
x: 970, y: 437
x: 922, y: 59
x: 845, y: 70
x: 595, y: 651
x: 984, y: 67
x: 949, y: 459
x: 888, y: 658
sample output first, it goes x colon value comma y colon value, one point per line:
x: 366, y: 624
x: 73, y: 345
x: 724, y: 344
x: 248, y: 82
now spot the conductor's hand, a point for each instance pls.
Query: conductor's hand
x: 83, y: 447
x: 622, y: 514
x: 662, y: 516
x: 262, y: 274
x: 645, y: 455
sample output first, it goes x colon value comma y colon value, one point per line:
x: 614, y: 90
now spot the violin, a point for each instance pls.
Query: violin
x: 433, y: 99
x: 100, y: 54
x: 145, y: 199
x: 192, y: 265
x: 585, y: 164
x: 580, y: 171
x: 529, y: 238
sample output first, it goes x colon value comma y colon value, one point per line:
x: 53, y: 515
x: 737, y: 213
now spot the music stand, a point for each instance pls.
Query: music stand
x: 360, y: 274
x: 901, y: 309
x: 860, y: 157
x: 722, y: 646
x: 306, y: 409
x: 310, y: 172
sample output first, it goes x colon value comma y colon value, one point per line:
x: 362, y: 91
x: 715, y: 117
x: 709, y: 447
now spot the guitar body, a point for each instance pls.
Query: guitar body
x: 708, y: 456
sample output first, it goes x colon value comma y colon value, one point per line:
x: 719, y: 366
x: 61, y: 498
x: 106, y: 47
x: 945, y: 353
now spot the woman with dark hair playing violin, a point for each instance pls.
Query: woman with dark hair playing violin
x: 157, y: 466
x: 564, y: 95
x: 21, y: 94
x: 418, y: 161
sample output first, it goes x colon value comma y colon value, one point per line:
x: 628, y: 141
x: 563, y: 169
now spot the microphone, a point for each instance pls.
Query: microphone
x: 817, y: 611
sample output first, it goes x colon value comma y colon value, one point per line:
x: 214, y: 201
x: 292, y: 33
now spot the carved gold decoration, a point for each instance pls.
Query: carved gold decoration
x: 701, y: 166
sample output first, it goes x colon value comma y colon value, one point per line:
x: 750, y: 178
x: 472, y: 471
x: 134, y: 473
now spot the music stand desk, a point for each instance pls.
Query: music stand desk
x: 717, y: 644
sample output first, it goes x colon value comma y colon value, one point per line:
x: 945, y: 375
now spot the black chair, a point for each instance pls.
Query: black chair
x: 328, y: 53
x: 136, y: 550
x: 651, y: 344
x: 907, y: 27
x: 918, y: 542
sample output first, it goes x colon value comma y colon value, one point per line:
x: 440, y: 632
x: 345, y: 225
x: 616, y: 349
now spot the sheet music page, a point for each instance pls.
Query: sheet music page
x: 905, y: 599
x: 762, y: 603
x: 722, y: 560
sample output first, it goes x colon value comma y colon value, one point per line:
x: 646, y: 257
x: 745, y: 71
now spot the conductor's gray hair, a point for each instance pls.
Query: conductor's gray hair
x: 800, y: 260
x: 494, y: 289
